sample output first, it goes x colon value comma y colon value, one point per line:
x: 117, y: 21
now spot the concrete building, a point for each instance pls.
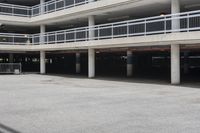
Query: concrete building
x: 127, y: 37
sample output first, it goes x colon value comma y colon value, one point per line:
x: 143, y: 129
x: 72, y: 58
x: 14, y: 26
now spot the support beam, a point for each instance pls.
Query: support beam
x: 175, y: 48
x: 91, y: 52
x: 91, y: 63
x: 175, y: 8
x: 42, y: 8
x: 78, y: 64
x: 91, y: 23
x: 42, y: 32
x: 129, y: 63
x: 175, y: 64
x: 42, y: 62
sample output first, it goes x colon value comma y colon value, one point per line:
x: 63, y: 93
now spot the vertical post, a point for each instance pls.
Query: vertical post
x: 175, y: 48
x: 42, y: 33
x: 129, y: 63
x: 175, y: 8
x: 165, y: 25
x: 42, y: 7
x: 145, y: 27
x: 91, y: 63
x: 42, y: 62
x: 91, y: 51
x: 127, y: 29
x: 91, y: 24
x: 78, y: 64
x: 175, y: 64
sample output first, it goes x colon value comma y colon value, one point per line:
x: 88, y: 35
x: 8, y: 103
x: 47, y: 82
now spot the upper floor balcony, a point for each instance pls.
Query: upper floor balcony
x: 158, y: 25
x: 48, y: 7
x: 59, y: 11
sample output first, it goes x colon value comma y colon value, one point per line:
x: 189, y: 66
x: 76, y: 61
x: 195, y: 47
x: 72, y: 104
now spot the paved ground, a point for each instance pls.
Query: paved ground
x: 53, y: 104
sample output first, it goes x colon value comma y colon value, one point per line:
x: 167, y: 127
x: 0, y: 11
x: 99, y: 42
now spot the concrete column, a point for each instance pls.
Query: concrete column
x: 42, y: 62
x: 129, y: 63
x: 42, y: 32
x: 175, y: 48
x: 11, y: 58
x: 42, y: 8
x: 175, y: 8
x: 91, y: 63
x: 91, y: 22
x: 91, y: 52
x: 78, y: 64
x: 175, y: 64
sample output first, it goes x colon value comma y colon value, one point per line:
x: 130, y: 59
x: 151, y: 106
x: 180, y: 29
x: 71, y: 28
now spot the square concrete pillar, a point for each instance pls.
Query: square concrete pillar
x: 91, y: 63
x: 42, y: 62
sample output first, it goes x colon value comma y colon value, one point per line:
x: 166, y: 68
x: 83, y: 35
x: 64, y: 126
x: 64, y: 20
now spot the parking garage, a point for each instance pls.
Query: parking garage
x: 143, y: 62
x: 128, y: 42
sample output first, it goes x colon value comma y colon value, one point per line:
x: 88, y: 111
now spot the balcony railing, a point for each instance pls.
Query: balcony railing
x: 14, y: 39
x: 56, y: 5
x: 189, y: 21
x: 47, y: 7
x: 15, y: 10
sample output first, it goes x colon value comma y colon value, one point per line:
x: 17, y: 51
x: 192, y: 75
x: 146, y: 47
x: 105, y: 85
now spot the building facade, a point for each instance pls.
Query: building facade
x: 95, y: 26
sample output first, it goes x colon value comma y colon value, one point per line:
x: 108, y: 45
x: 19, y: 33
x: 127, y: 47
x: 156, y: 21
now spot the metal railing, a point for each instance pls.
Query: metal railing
x: 8, y: 68
x: 189, y: 21
x: 56, y: 5
x: 47, y: 7
x: 15, y: 10
x: 14, y: 39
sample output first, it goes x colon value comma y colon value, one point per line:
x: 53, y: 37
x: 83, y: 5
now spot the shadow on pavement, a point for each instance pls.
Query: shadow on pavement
x: 154, y: 80
x: 7, y: 129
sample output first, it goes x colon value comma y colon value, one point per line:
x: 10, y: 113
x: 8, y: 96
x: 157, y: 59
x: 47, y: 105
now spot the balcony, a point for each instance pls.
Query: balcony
x: 50, y: 6
x: 189, y: 22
